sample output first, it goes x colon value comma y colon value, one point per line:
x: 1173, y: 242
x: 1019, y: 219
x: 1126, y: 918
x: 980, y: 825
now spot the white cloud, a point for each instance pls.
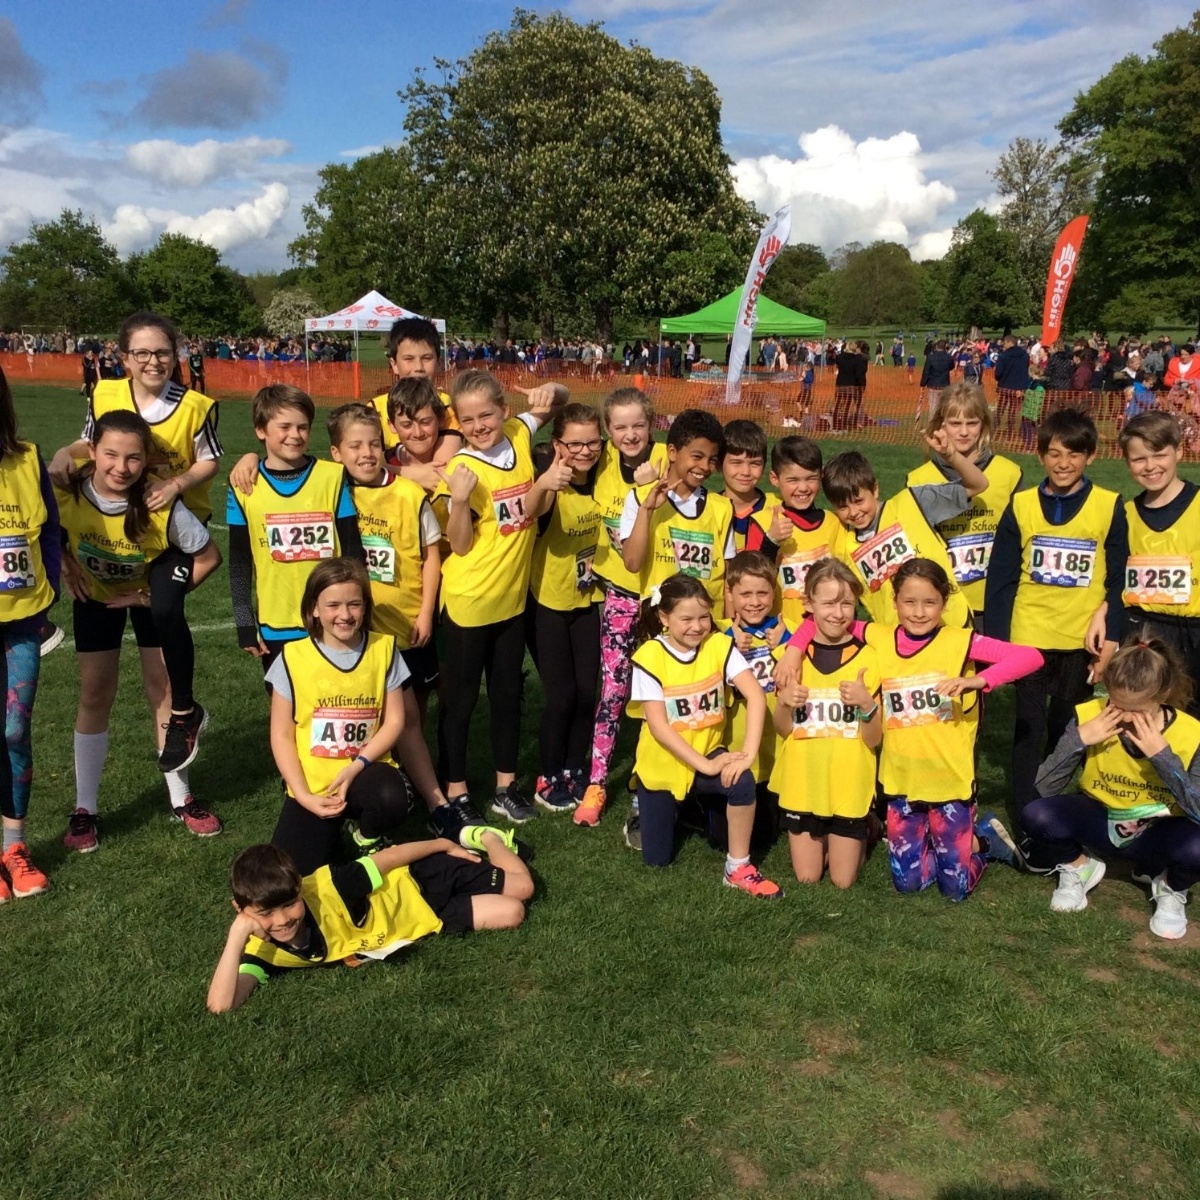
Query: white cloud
x: 361, y: 151
x: 134, y: 227
x: 846, y: 191
x: 933, y: 244
x: 180, y: 165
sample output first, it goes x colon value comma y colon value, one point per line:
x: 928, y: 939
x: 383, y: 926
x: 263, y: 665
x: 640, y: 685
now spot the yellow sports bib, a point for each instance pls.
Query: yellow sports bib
x: 610, y: 492
x: 563, y: 575
x: 1162, y: 573
x: 688, y: 545
x: 24, y: 588
x: 799, y: 552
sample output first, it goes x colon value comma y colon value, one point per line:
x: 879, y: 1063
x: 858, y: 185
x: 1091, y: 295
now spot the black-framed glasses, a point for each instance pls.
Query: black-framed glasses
x: 580, y: 447
x: 141, y: 357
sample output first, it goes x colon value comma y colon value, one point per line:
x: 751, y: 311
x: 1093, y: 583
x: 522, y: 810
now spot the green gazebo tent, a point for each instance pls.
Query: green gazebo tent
x: 720, y: 316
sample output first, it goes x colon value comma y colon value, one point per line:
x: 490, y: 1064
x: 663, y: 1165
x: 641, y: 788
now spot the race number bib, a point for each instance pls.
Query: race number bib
x: 970, y: 554
x: 508, y: 504
x: 880, y: 557
x: 693, y: 706
x: 109, y: 567
x: 1062, y: 562
x: 793, y: 571
x: 693, y: 550
x: 826, y: 715
x: 761, y: 660
x: 914, y: 700
x: 341, y: 732
x: 381, y: 559
x: 612, y: 526
x: 1165, y: 579
x: 584, y: 579
x: 300, y: 537
x: 16, y: 571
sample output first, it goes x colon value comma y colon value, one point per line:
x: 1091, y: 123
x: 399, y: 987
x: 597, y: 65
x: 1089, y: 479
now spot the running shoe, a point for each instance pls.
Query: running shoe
x: 996, y: 844
x: 1074, y: 883
x: 364, y: 844
x: 51, y: 637
x: 25, y: 878
x: 183, y: 739
x: 5, y: 890
x: 1170, y: 913
x: 512, y: 803
x: 633, y: 830
x: 447, y: 820
x: 81, y: 832
x: 591, y: 807
x: 197, y: 820
x: 471, y: 838
x: 748, y: 878
x: 554, y: 793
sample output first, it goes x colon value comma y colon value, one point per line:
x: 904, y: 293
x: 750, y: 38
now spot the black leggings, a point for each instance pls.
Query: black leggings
x: 470, y: 653
x: 566, y: 648
x: 170, y: 577
x: 378, y: 800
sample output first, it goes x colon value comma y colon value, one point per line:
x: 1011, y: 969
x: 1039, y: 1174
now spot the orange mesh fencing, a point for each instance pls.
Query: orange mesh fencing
x: 887, y: 409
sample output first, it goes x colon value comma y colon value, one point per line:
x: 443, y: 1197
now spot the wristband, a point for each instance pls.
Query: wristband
x: 870, y: 712
x: 362, y: 758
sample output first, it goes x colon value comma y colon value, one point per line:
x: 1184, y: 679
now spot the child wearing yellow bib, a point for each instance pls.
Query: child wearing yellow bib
x: 112, y: 539
x: 423, y: 439
x: 682, y: 671
x: 1138, y: 794
x: 743, y: 459
x: 829, y: 723
x: 564, y: 612
x: 337, y: 709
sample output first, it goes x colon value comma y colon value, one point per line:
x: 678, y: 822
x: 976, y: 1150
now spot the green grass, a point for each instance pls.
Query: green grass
x: 646, y: 1034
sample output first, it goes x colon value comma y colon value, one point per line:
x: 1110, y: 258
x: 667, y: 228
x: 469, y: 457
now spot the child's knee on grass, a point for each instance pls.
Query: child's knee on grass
x: 808, y: 857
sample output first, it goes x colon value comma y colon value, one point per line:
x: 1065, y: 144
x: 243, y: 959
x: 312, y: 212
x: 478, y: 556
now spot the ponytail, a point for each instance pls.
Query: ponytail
x: 137, y: 513
x: 1149, y: 667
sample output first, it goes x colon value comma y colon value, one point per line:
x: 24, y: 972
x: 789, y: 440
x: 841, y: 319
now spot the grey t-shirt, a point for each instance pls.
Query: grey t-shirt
x: 183, y: 529
x: 344, y: 660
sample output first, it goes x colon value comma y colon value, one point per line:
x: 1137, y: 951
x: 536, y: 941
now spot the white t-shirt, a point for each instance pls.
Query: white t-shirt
x: 646, y: 687
x: 689, y: 508
x: 502, y: 454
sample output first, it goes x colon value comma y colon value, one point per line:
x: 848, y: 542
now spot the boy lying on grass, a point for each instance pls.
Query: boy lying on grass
x: 365, y: 909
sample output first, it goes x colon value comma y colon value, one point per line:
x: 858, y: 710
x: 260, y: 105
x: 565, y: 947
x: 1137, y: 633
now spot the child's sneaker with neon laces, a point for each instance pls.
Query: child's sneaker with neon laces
x: 82, y: 835
x: 470, y: 837
x: 554, y: 793
x: 748, y: 878
x: 182, y: 742
x: 512, y: 803
x: 446, y: 820
x: 591, y: 807
x: 1074, y: 883
x: 1170, y: 913
x: 197, y: 820
x: 24, y: 878
x: 996, y: 844
x: 364, y: 844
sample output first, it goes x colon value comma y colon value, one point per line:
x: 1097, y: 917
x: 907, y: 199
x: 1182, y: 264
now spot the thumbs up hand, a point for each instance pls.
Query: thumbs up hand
x: 855, y: 691
x: 558, y: 475
x: 781, y: 526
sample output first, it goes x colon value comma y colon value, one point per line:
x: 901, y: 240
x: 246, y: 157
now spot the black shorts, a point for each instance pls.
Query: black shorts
x: 422, y: 664
x: 814, y: 826
x: 448, y: 883
x: 99, y: 628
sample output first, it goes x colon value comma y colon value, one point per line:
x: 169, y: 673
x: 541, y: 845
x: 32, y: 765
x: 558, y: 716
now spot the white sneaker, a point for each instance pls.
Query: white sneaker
x: 1170, y: 916
x: 1074, y: 883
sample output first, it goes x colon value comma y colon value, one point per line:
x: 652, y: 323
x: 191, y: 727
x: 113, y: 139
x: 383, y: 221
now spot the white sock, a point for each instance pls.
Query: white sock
x: 178, y: 787
x: 732, y: 864
x: 91, y: 749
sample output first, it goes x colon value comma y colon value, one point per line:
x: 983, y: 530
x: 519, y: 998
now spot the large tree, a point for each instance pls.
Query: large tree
x: 880, y: 285
x: 1140, y: 124
x: 795, y: 268
x: 566, y: 169
x: 64, y: 275
x: 983, y: 282
x: 185, y: 280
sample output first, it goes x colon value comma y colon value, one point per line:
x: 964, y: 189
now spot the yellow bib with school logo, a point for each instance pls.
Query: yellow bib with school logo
x: 610, y: 492
x: 390, y: 439
x: 564, y: 556
x: 289, y: 535
x: 928, y: 750
x: 397, y: 914
x: 761, y: 659
x: 114, y: 564
x: 903, y: 533
x: 489, y: 583
x: 1062, y: 570
x: 389, y: 521
x: 1162, y: 572
x: 824, y: 767
x: 688, y: 545
x: 336, y: 711
x: 799, y: 552
x: 24, y: 588
x: 969, y: 537
x: 695, y: 697
x: 174, y: 436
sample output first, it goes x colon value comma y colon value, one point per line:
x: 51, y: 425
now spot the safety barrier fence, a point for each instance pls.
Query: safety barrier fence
x: 889, y: 409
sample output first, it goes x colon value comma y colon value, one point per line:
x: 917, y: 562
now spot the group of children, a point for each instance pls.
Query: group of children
x: 441, y: 542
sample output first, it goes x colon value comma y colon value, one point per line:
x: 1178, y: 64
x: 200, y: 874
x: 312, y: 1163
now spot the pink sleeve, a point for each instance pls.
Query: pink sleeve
x: 1006, y: 660
x: 803, y: 636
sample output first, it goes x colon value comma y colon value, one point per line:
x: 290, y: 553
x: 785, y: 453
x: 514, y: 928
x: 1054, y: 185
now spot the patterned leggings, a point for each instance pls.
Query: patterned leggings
x: 23, y: 660
x: 928, y: 842
x: 617, y: 623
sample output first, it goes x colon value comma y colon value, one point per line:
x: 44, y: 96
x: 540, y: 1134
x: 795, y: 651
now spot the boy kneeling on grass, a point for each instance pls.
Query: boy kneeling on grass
x: 366, y: 909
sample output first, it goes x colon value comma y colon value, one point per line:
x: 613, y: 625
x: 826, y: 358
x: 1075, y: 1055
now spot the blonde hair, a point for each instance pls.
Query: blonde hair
x: 826, y: 569
x: 965, y: 400
x: 476, y: 381
x: 1149, y: 667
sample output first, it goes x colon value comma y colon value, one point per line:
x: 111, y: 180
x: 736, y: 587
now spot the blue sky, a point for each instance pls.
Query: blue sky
x: 874, y: 119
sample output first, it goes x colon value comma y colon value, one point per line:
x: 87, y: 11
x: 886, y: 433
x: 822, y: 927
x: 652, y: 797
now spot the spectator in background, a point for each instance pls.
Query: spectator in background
x: 195, y: 362
x: 849, y: 384
x: 1183, y: 368
x: 935, y: 378
x: 1012, y: 381
x: 91, y: 370
x: 1060, y: 367
x: 1084, y: 367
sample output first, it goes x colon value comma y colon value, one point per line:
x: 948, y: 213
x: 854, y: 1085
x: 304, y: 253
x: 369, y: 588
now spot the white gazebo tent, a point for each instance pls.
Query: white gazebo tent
x: 372, y: 313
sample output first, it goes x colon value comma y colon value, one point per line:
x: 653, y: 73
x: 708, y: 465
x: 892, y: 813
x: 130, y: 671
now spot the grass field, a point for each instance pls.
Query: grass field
x: 646, y: 1034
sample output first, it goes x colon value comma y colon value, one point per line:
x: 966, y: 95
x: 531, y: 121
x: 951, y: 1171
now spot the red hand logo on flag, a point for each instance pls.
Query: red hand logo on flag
x: 770, y: 249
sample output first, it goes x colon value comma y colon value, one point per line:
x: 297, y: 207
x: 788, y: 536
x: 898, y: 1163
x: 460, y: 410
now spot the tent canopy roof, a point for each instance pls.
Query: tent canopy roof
x: 720, y: 316
x: 372, y: 312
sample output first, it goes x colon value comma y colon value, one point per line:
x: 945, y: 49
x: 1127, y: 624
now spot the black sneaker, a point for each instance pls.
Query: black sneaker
x: 182, y: 742
x: 512, y: 803
x: 633, y: 830
x: 51, y: 637
x: 554, y: 794
x: 448, y: 820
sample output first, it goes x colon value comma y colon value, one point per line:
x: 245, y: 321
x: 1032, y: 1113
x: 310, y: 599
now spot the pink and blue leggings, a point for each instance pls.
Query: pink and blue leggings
x: 930, y: 843
x: 618, y: 622
x: 22, y: 663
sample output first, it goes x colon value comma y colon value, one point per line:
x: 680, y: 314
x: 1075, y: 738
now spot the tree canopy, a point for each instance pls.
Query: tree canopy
x: 983, y: 282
